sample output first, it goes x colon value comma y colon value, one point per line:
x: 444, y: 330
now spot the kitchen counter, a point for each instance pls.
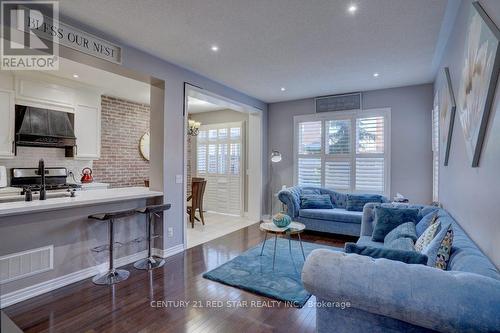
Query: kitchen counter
x: 82, y: 198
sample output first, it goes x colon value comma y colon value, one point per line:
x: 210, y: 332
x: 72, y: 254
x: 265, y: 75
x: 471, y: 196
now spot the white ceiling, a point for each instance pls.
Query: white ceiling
x: 107, y: 83
x: 196, y: 105
x: 310, y: 47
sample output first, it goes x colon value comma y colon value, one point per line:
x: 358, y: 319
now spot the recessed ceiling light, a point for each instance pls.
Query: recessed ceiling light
x: 376, y: 74
x: 76, y: 76
x: 283, y: 89
x: 214, y: 48
x: 352, y: 9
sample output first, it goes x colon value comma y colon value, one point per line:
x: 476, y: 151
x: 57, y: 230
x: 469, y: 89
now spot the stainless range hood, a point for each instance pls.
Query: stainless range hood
x: 38, y: 127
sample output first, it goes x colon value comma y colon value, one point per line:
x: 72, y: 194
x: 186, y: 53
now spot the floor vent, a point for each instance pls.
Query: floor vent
x: 22, y: 264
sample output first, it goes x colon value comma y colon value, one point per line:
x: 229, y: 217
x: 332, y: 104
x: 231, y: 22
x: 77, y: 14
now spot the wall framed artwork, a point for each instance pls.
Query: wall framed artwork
x: 480, y: 68
x: 447, y: 107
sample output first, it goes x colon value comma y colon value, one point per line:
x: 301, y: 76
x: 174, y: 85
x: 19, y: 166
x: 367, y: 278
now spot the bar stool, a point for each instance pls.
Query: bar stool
x: 113, y: 275
x: 151, y: 262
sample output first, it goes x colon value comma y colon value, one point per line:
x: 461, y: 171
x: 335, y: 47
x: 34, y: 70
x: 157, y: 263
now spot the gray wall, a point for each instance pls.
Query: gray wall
x: 411, y: 154
x: 173, y: 125
x: 472, y: 195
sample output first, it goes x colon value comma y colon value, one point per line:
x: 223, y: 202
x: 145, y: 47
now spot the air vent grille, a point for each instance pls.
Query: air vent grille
x: 338, y: 102
x: 22, y: 264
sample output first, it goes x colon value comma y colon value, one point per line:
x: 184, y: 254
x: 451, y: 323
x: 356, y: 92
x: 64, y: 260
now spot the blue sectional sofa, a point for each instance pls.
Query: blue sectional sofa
x: 337, y: 220
x: 391, y: 296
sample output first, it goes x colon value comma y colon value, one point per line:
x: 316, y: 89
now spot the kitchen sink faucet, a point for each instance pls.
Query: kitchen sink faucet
x: 41, y: 172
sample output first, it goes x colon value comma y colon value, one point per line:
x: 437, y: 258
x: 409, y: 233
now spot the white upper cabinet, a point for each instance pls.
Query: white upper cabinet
x: 7, y: 123
x: 88, y: 125
x: 45, y: 93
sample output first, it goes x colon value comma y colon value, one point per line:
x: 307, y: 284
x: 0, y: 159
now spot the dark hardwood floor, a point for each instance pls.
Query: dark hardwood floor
x: 130, y: 306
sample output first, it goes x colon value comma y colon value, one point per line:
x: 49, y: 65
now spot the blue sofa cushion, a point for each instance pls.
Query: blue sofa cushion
x: 425, y: 222
x: 409, y: 257
x: 356, y: 202
x: 367, y: 241
x: 402, y: 243
x: 388, y: 218
x: 335, y: 214
x: 315, y: 201
x: 405, y: 230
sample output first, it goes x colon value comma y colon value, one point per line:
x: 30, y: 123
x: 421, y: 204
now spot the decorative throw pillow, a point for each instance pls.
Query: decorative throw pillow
x: 315, y: 201
x: 443, y: 255
x: 405, y: 230
x: 409, y: 257
x: 309, y: 191
x: 426, y: 210
x: 426, y: 221
x: 432, y: 250
x: 403, y: 243
x: 388, y: 218
x: 426, y: 238
x: 356, y: 202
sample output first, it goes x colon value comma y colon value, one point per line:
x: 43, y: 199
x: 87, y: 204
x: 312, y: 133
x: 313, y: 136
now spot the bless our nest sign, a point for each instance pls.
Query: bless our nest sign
x: 66, y: 35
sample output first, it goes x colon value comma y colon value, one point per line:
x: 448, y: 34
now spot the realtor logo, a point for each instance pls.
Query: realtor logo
x: 29, y: 33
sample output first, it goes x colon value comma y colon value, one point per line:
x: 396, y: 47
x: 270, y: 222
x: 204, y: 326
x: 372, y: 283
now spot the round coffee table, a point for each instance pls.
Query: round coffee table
x: 294, y: 228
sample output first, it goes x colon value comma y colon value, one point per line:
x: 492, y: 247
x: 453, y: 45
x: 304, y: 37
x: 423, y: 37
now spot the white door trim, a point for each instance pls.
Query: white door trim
x: 254, y: 145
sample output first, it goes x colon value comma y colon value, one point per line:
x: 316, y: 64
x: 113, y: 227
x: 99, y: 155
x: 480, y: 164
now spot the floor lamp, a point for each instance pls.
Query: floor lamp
x: 275, y: 158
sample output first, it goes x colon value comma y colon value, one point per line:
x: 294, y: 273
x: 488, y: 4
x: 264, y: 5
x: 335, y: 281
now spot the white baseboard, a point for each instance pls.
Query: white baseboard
x: 266, y: 218
x: 61, y: 281
x: 168, y: 252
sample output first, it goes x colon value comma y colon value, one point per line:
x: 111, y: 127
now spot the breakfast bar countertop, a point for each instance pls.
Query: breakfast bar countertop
x: 82, y: 198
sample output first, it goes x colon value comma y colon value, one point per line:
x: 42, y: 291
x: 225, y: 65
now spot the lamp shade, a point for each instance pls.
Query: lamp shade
x: 275, y: 156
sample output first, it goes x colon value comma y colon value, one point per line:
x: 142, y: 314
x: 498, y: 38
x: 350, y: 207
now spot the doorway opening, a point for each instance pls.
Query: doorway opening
x: 223, y: 149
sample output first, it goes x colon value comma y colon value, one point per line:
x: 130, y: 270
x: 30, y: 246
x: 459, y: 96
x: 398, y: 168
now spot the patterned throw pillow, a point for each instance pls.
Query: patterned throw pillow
x: 425, y: 222
x: 426, y: 238
x: 443, y: 255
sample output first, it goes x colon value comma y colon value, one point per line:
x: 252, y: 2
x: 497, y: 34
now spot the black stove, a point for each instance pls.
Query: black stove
x: 55, y: 179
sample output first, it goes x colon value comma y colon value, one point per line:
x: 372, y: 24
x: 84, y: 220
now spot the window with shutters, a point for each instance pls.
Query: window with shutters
x: 344, y: 151
x: 435, y: 152
x: 219, y: 159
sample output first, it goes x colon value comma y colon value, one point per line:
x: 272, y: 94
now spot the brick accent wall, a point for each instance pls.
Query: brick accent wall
x: 122, y: 125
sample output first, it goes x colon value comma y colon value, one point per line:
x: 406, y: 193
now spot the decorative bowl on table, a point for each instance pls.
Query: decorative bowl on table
x: 282, y: 220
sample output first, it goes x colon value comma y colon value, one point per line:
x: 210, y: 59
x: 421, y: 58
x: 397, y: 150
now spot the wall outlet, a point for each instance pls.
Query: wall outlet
x: 178, y: 179
x: 170, y: 232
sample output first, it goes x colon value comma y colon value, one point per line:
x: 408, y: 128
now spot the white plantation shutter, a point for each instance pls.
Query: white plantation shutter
x: 310, y: 137
x: 219, y: 160
x: 345, y: 151
x: 310, y: 171
x: 370, y: 135
x: 370, y: 174
x: 338, y: 175
x: 338, y: 136
x: 370, y: 139
x: 435, y: 153
x: 201, y: 159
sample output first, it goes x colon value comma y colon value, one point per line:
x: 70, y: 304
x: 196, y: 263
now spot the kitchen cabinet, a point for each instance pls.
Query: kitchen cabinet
x: 7, y: 123
x: 88, y: 125
x: 46, y: 92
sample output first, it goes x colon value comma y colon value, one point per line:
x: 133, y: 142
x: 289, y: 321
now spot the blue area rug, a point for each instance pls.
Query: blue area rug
x: 252, y: 272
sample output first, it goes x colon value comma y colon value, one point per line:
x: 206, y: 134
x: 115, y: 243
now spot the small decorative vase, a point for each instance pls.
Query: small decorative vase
x: 282, y: 220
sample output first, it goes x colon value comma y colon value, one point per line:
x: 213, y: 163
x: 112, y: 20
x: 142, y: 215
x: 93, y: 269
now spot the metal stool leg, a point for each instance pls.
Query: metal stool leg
x: 150, y: 262
x: 113, y: 275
